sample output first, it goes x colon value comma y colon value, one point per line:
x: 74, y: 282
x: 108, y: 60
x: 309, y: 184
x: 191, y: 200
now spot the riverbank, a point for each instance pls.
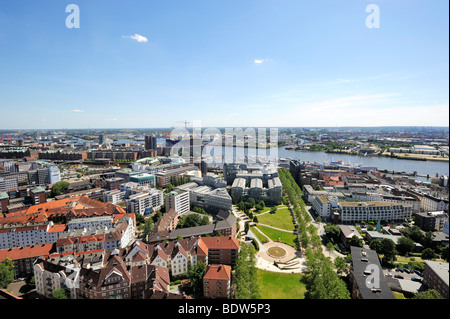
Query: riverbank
x: 401, y: 156
x: 421, y: 167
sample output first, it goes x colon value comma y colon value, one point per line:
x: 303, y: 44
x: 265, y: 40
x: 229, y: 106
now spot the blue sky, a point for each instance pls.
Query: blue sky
x: 223, y: 62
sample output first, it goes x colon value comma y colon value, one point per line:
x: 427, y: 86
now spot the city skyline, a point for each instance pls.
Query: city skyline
x: 225, y: 63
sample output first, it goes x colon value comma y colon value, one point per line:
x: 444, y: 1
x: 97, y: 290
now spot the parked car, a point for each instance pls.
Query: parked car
x: 400, y: 269
x: 418, y: 272
x: 399, y: 277
x: 388, y: 274
x: 409, y: 271
x: 415, y: 278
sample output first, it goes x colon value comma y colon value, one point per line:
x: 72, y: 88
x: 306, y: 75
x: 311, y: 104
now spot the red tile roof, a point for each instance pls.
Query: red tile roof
x: 26, y: 252
x: 220, y: 242
x: 218, y: 272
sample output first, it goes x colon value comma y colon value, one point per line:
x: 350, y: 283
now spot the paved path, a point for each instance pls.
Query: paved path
x: 280, y: 229
x: 292, y: 260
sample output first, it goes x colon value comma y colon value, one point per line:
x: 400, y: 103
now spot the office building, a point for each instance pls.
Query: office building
x: 150, y: 142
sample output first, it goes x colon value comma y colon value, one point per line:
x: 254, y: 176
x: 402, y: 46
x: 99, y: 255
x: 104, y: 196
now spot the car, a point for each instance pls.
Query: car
x: 401, y: 270
x: 415, y: 278
x: 418, y: 272
x: 409, y: 271
x: 388, y: 274
x: 399, y: 277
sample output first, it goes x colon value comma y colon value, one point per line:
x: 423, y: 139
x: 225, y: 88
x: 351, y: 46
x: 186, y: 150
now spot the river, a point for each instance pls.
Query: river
x: 431, y: 168
x: 393, y: 164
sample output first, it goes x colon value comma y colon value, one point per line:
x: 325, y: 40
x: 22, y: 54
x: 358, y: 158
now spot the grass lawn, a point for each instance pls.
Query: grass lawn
x: 281, y: 219
x: 274, y: 285
x: 403, y: 259
x: 266, y: 209
x: 287, y: 238
x: 398, y: 295
x: 263, y: 239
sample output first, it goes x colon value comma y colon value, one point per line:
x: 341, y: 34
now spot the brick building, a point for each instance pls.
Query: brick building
x: 217, y: 281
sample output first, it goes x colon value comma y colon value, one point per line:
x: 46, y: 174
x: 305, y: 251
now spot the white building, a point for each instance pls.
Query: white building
x: 355, y: 212
x: 54, y: 174
x: 179, y: 201
x: 24, y: 235
x: 180, y: 262
x: 49, y: 277
x: 431, y: 203
x: 152, y: 199
x: 114, y: 196
x: 90, y: 222
x: 7, y: 184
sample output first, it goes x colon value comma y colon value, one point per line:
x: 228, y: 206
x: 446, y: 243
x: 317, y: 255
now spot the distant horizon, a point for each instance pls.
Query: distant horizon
x: 224, y: 127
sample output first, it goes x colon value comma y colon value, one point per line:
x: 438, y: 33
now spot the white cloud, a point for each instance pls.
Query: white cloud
x: 113, y: 119
x: 259, y: 61
x: 137, y: 37
x: 77, y: 111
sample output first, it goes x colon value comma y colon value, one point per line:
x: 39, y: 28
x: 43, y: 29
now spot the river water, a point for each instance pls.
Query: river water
x: 431, y: 168
x: 393, y: 164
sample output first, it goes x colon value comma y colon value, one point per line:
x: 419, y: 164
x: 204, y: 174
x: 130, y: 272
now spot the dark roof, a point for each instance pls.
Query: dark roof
x: 361, y: 259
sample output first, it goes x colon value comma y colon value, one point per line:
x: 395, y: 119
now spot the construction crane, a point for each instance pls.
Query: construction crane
x: 185, y: 127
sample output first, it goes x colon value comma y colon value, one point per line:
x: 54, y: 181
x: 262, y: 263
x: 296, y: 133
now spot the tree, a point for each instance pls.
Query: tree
x: 329, y: 247
x: 405, y: 245
x: 444, y: 252
x: 375, y: 245
x: 332, y: 231
x: 60, y: 294
x: 340, y: 264
x: 262, y: 204
x: 6, y: 272
x: 195, y: 276
x: 428, y: 253
x: 246, y: 274
x: 415, y: 234
x: 321, y: 281
x: 387, y: 249
x: 193, y: 220
x: 148, y: 226
x: 169, y: 188
x: 59, y: 188
x: 273, y: 210
x: 156, y: 216
x: 428, y: 294
x: 356, y: 241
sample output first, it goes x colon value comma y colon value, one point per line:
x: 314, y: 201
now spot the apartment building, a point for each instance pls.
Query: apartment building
x: 178, y: 201
x: 24, y: 257
x: 207, y: 197
x: 436, y: 276
x: 114, y: 197
x: 7, y: 184
x: 355, y: 212
x: 217, y: 281
x: 152, y: 199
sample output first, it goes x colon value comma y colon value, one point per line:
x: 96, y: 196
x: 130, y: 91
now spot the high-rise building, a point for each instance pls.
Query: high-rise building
x: 54, y: 174
x: 179, y: 201
x: 150, y: 142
